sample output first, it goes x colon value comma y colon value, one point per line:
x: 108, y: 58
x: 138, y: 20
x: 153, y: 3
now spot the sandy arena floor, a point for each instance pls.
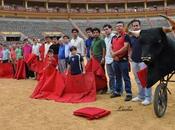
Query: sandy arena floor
x: 19, y: 112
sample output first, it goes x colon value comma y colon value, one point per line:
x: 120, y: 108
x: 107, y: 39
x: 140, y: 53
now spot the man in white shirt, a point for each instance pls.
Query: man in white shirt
x: 47, y: 45
x: 77, y: 42
x: 108, y: 58
x: 35, y: 48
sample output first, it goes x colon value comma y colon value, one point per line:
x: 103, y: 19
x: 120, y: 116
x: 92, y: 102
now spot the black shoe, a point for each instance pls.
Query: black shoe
x: 103, y: 91
x: 128, y: 98
x: 115, y: 95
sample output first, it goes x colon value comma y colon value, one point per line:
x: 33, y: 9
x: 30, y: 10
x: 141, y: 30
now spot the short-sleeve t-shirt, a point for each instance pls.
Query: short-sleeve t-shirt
x: 136, y: 49
x: 98, y: 45
x: 118, y: 42
x: 75, y: 62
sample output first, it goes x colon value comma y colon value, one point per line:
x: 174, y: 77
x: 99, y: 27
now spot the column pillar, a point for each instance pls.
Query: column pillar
x: 106, y: 7
x: 165, y: 3
x: 2, y: 3
x: 47, y: 5
x: 87, y: 7
x: 68, y: 7
x: 145, y: 5
x: 26, y: 4
x: 126, y: 5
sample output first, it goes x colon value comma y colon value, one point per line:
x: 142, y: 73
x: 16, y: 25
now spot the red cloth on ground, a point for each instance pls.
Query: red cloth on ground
x: 20, y: 69
x: 100, y: 77
x: 79, y: 88
x: 91, y: 112
x: 6, y: 70
x: 142, y: 75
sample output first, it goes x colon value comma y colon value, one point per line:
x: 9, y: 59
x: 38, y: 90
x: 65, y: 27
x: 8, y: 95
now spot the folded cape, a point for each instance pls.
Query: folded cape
x: 91, y: 112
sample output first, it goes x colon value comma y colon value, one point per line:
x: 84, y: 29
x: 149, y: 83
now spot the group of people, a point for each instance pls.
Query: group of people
x: 115, y: 53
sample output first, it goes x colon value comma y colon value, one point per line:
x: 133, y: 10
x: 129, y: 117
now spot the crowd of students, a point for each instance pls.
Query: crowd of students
x: 116, y: 51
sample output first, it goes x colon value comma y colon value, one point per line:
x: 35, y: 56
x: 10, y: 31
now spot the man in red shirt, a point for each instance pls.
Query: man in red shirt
x: 119, y: 51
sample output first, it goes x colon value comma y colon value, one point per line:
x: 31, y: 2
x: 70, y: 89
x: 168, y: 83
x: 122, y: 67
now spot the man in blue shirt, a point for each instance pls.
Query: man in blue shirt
x: 144, y: 94
x: 88, y: 42
x: 61, y: 57
x: 67, y: 48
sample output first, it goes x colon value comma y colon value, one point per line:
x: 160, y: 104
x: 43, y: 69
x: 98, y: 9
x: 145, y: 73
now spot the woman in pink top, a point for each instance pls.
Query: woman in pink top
x: 27, y: 49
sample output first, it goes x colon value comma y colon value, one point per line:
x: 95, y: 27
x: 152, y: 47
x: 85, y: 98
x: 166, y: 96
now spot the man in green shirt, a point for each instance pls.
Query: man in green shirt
x: 98, y: 51
x: 18, y: 52
x: 98, y: 48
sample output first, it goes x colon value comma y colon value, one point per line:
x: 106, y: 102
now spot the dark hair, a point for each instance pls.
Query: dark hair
x: 50, y: 51
x: 73, y: 48
x: 66, y: 36
x: 120, y: 22
x: 96, y: 29
x: 47, y: 37
x: 107, y: 25
x: 135, y: 20
x: 26, y: 39
x: 89, y: 29
x: 75, y: 29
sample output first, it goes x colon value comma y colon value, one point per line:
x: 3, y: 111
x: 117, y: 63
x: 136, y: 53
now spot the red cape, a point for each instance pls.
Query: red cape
x: 6, y: 70
x: 50, y: 85
x: 79, y: 88
x: 20, y: 69
x: 72, y: 89
x: 100, y: 77
x: 91, y: 112
x: 142, y: 75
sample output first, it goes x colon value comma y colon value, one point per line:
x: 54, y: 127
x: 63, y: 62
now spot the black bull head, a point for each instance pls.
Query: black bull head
x: 158, y: 52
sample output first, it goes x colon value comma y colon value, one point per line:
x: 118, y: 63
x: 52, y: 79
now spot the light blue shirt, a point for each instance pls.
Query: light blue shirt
x: 67, y: 50
x: 108, y: 57
x: 5, y: 54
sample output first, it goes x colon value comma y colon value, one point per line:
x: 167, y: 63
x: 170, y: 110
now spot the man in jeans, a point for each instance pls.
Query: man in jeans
x: 108, y: 58
x: 119, y: 51
x: 144, y: 94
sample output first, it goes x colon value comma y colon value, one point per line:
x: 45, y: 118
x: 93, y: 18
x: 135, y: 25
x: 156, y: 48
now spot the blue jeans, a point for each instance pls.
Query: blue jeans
x: 111, y: 76
x: 121, y: 69
x: 143, y: 93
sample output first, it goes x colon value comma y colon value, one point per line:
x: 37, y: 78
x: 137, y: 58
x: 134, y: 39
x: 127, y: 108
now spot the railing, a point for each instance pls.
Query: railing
x: 84, y: 15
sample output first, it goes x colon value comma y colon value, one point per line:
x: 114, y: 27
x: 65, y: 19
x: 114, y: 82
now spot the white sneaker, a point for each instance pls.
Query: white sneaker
x: 146, y: 102
x: 137, y: 99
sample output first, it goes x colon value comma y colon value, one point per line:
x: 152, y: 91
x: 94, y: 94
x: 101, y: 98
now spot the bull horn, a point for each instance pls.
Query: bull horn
x: 135, y: 33
x: 172, y: 21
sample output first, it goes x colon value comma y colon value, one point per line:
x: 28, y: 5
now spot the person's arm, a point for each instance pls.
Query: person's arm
x: 68, y: 69
x: 103, y: 52
x: 85, y: 48
x: 130, y: 53
x: 122, y: 50
x: 83, y: 65
x: 125, y: 48
x: 82, y: 47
